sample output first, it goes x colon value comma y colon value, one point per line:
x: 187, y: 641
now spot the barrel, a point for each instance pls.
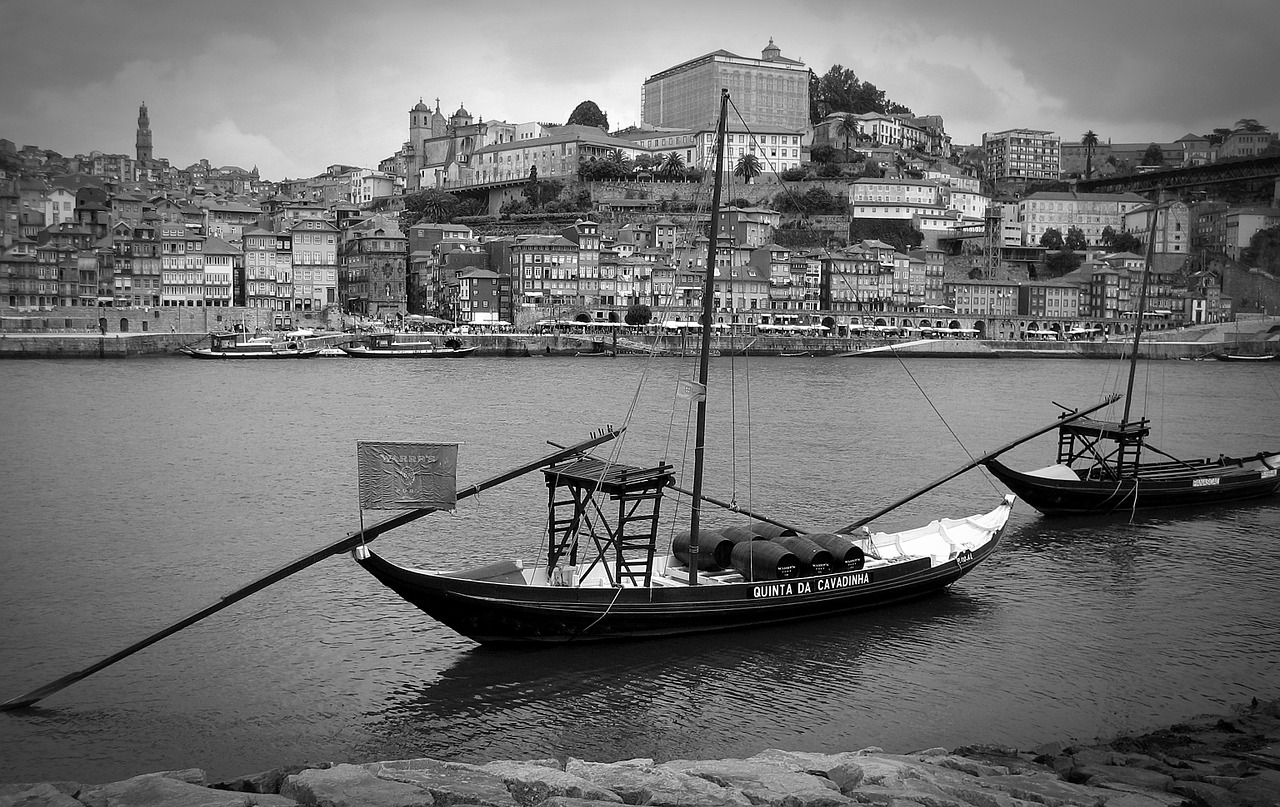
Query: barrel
x: 714, y: 550
x: 847, y: 556
x: 770, y: 531
x: 764, y: 560
x: 812, y: 557
x: 738, y: 533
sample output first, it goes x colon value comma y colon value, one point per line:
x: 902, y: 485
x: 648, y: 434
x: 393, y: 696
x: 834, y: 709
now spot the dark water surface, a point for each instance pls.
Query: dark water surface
x: 135, y: 492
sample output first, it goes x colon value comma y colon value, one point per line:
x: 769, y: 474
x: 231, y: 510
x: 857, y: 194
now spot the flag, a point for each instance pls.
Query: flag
x: 690, y: 390
x: 406, y: 476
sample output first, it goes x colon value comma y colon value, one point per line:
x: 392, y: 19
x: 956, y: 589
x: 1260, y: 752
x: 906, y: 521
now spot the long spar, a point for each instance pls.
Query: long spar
x: 351, y: 541
x: 980, y: 460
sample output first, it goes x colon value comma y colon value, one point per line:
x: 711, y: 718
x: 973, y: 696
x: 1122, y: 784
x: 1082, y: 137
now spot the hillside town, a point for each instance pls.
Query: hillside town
x: 839, y: 220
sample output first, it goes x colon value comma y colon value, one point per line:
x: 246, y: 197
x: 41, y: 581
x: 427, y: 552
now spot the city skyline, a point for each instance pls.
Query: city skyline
x: 293, y: 87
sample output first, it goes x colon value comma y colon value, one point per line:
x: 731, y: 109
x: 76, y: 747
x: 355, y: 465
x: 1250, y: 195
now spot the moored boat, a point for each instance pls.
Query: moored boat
x: 386, y: 346
x: 1100, y: 467
x: 239, y: 346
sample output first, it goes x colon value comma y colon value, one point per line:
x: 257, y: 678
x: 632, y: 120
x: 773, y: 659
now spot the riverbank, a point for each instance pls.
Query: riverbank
x: 1228, y: 760
x: 520, y: 345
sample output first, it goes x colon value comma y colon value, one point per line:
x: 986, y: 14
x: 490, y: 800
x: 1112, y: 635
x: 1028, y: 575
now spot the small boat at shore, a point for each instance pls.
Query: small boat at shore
x: 238, y: 346
x: 386, y: 346
x: 1244, y: 357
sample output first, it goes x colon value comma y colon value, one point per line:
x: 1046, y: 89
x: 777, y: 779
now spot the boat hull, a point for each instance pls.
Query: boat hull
x: 363, y: 352
x: 1227, y: 480
x: 206, y: 353
x: 503, y: 613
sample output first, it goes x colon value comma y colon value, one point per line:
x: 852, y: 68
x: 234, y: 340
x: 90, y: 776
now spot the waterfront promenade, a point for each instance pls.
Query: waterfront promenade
x: 1189, y: 343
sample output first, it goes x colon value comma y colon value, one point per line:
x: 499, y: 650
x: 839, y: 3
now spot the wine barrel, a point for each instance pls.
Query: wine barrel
x: 813, y: 558
x: 714, y: 550
x: 764, y: 560
x: 771, y: 531
x: 847, y: 555
x: 738, y: 533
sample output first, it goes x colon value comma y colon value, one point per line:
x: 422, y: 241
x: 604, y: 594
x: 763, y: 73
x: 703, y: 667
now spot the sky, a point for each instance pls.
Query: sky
x: 293, y: 86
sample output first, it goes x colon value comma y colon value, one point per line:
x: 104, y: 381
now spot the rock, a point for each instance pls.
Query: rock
x: 1047, y: 789
x: 1261, y: 790
x: 1205, y: 794
x: 351, y: 786
x: 843, y: 770
x: 447, y: 782
x: 36, y: 795
x: 765, y: 782
x: 261, y: 782
x: 160, y: 790
x: 531, y: 783
x: 640, y: 782
x: 1120, y: 777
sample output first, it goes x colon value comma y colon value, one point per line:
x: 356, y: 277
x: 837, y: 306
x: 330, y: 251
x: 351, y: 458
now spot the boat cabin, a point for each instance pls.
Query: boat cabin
x: 1115, y: 449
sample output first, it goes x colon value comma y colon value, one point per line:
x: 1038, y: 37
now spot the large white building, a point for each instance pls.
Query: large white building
x: 1091, y: 213
x: 1022, y: 155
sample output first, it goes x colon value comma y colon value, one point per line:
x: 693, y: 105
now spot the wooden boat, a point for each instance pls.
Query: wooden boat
x: 238, y: 346
x: 1100, y: 466
x: 385, y: 346
x: 605, y: 576
x: 1245, y: 357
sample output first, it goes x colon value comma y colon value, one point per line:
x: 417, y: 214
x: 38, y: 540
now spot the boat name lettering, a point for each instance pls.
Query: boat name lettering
x: 787, y: 588
x: 965, y: 556
x: 1205, y: 482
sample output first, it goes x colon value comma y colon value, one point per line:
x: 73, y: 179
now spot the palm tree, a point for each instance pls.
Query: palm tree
x: 1090, y: 141
x: 748, y: 167
x: 847, y: 128
x: 673, y: 164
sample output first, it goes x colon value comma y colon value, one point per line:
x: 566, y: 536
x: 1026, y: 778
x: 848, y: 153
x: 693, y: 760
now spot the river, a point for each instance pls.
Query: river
x: 137, y: 491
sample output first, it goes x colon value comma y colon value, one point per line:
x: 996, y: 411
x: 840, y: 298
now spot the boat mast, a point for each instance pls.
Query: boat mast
x: 708, y: 291
x: 1142, y: 304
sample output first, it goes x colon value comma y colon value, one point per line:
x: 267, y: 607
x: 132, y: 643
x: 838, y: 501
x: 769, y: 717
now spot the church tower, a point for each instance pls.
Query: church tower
x: 144, y: 135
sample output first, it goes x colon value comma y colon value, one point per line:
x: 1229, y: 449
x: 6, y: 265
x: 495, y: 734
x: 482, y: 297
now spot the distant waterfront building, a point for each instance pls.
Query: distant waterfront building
x: 770, y: 91
x: 1019, y: 156
x: 373, y: 275
x: 1091, y: 213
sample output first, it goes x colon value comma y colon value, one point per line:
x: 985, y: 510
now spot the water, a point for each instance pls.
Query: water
x: 138, y: 491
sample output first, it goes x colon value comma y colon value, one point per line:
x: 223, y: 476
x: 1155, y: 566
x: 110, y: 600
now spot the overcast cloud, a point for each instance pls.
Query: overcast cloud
x: 292, y: 86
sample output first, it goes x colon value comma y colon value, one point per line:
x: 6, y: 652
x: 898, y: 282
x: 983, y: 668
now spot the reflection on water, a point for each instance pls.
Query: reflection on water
x: 139, y: 491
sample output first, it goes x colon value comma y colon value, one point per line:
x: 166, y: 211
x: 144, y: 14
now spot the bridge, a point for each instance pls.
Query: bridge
x: 1257, y: 171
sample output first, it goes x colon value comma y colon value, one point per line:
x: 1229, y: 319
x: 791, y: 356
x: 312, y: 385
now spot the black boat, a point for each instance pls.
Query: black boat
x: 605, y: 576
x: 387, y: 346
x: 1101, y: 467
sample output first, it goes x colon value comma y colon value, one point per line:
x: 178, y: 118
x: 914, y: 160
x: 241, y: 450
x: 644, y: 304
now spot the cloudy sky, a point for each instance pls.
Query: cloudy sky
x: 293, y: 86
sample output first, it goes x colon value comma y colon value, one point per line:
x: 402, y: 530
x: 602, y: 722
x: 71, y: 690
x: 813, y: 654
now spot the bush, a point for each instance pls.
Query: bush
x: 793, y: 174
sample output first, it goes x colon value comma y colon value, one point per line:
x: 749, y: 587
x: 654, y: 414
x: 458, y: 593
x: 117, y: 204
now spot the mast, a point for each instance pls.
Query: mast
x: 1142, y: 304
x: 708, y: 291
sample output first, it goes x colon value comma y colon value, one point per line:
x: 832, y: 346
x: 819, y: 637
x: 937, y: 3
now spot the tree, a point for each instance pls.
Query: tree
x: 1249, y: 125
x: 822, y: 154
x: 1075, y: 239
x: 1154, y: 155
x: 638, y: 314
x: 1090, y: 141
x: 1052, y: 239
x: 431, y: 204
x: 1120, y: 241
x: 748, y: 167
x: 588, y: 114
x: 1061, y: 263
x: 1264, y: 250
x: 673, y: 164
x: 848, y: 127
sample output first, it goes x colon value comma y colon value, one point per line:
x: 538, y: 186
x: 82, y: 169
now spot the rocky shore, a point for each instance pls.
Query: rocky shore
x: 1212, y: 761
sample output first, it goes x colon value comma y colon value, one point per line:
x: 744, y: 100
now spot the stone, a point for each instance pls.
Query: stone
x: 843, y: 770
x: 1260, y: 790
x: 765, y: 783
x: 1046, y: 789
x: 37, y: 795
x: 648, y: 785
x: 447, y: 782
x: 1206, y: 794
x: 531, y: 783
x: 351, y: 786
x: 1120, y: 775
x: 261, y: 782
x: 160, y: 790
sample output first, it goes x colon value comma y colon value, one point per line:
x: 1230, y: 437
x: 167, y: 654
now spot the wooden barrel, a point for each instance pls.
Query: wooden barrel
x: 738, y: 533
x: 847, y: 556
x: 813, y: 558
x: 764, y: 560
x: 770, y: 531
x: 714, y: 550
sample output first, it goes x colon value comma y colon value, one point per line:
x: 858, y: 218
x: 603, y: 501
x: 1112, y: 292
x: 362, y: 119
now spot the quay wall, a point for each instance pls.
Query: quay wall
x: 128, y: 345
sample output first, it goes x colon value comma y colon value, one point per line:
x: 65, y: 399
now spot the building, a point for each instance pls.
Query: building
x: 313, y: 258
x: 770, y: 91
x: 544, y: 272
x: 372, y: 275
x: 1091, y: 213
x: 483, y: 297
x: 1173, y: 227
x: 1021, y: 156
x: 143, y: 142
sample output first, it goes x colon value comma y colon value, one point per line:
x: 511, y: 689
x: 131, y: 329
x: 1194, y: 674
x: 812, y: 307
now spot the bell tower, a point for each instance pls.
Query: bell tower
x: 144, y: 135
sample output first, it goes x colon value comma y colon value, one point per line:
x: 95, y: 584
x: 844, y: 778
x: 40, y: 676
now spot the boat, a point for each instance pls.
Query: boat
x: 603, y: 573
x: 1103, y: 467
x: 239, y: 346
x: 386, y: 346
x: 1246, y: 357
x: 332, y: 352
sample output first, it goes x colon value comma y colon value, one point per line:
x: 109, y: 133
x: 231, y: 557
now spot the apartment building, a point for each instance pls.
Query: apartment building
x: 1019, y: 156
x: 1091, y: 213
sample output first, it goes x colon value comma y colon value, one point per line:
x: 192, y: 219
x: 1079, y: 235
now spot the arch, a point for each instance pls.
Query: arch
x: 880, y: 321
x: 954, y: 325
x: 102, y: 324
x: 124, y: 325
x: 981, y: 327
x: 613, y: 316
x: 829, y: 322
